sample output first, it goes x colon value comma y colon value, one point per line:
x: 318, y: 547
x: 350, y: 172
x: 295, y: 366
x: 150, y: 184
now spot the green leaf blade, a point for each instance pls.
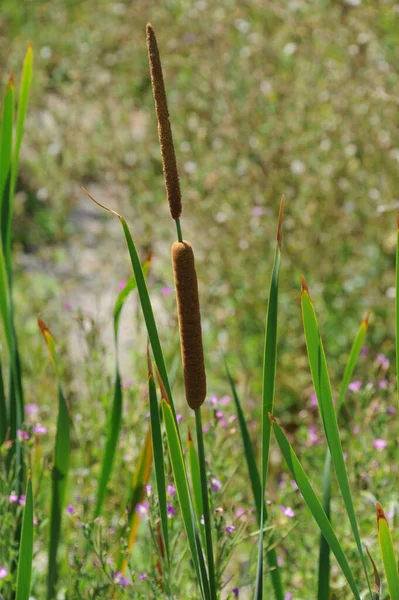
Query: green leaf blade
x: 314, y: 505
x: 321, y: 382
x: 388, y: 554
x: 25, y: 558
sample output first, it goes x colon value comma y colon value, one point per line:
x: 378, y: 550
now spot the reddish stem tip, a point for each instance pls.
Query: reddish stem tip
x: 304, y: 285
x: 280, y: 223
x: 380, y: 512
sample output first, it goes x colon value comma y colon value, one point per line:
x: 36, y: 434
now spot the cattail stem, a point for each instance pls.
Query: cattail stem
x: 205, y: 503
x: 178, y: 228
x: 169, y: 165
x: 189, y: 323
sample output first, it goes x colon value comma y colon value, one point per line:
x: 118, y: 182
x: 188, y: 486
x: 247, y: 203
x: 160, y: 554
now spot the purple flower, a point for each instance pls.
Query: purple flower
x: 68, y: 306
x: 171, y: 490
x: 39, y: 429
x: 383, y: 384
x: 179, y: 417
x: 3, y: 572
x: 22, y: 435
x: 219, y: 414
x: 355, y: 386
x: 380, y: 444
x: 391, y: 410
x: 230, y: 529
x: 225, y: 400
x: 313, y: 400
x: 127, y: 384
x: 240, y: 512
x: 22, y: 500
x: 143, y: 576
x: 364, y: 351
x: 142, y: 509
x: 70, y: 509
x: 287, y: 511
x: 148, y: 489
x: 313, y: 438
x: 257, y: 211
x: 121, y: 285
x: 31, y: 409
x: 216, y: 485
x: 166, y: 290
x: 236, y: 591
x: 13, y: 497
x: 288, y: 596
x: 171, y: 510
x: 383, y: 360
x: 123, y: 581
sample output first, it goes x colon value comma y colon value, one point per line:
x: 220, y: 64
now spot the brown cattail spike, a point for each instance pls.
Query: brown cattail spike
x: 164, y: 129
x: 189, y: 323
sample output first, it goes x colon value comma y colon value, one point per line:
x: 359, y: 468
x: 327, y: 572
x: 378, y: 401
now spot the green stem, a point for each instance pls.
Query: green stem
x: 179, y: 233
x: 205, y: 502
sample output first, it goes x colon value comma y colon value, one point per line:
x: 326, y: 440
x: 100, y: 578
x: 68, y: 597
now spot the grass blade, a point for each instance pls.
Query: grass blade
x: 254, y: 477
x: 115, y: 416
x: 145, y: 303
x: 269, y: 376
x: 196, y: 485
x: 377, y: 581
x: 397, y: 303
x: 387, y: 553
x: 60, y: 469
x: 3, y: 410
x: 183, y: 492
x: 158, y: 457
x: 25, y: 558
x: 324, y: 553
x: 23, y: 99
x: 140, y: 480
x: 314, y: 505
x: 321, y: 382
x: 205, y: 504
x: 113, y: 429
x: 6, y: 134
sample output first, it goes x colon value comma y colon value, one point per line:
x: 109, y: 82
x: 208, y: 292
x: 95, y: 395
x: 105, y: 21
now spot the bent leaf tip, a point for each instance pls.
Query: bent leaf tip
x: 304, y: 286
x: 380, y: 512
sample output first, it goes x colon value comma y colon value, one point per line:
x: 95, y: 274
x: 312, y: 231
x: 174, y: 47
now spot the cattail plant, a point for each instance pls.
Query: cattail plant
x: 186, y: 284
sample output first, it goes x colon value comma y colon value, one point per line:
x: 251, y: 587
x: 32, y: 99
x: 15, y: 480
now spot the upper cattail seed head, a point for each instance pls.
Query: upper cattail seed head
x: 189, y: 323
x: 169, y: 165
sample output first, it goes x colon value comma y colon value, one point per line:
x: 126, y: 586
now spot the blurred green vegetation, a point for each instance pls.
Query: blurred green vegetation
x: 299, y: 97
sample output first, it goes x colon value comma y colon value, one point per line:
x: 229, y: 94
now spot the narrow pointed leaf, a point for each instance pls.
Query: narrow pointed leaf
x: 158, y: 460
x: 23, y: 99
x: 196, y: 484
x: 60, y: 468
x: 269, y: 377
x: 314, y: 505
x: 25, y: 558
x: 254, y: 477
x: 115, y: 416
x: 145, y: 303
x: 140, y: 480
x: 324, y: 554
x: 321, y: 382
x: 183, y: 492
x: 6, y: 133
x: 388, y: 554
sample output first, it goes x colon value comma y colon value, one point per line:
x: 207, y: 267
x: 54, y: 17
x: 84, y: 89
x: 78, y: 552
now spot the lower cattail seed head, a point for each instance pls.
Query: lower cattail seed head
x: 189, y: 323
x: 169, y: 165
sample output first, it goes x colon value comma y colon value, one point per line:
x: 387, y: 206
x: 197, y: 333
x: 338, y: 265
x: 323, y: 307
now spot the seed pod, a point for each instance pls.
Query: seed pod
x: 189, y: 323
x: 164, y: 129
